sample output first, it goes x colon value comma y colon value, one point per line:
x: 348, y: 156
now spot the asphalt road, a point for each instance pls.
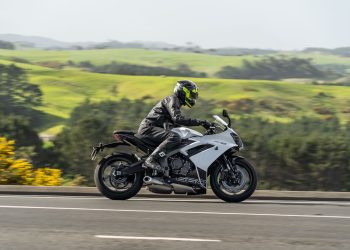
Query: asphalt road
x: 63, y: 222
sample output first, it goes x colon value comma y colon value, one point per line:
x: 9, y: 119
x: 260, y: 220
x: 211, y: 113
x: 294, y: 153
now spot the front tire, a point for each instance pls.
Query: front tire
x: 112, y: 186
x: 236, y: 189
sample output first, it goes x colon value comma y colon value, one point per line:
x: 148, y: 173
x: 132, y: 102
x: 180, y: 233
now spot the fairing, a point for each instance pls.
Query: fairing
x: 221, y: 143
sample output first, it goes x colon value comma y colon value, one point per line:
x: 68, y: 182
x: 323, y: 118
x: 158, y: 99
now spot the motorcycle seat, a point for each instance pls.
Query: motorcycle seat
x: 131, y: 137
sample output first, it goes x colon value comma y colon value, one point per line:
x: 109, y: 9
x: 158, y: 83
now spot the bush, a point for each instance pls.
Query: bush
x: 51, y: 64
x: 20, y: 171
x: 134, y: 69
x: 272, y: 68
x: 47, y: 177
x: 305, y: 154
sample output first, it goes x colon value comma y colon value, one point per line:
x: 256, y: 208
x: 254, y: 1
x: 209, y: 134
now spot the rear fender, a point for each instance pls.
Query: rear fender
x: 101, y: 147
x: 124, y: 155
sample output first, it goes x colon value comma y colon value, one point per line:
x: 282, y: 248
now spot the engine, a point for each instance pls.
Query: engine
x: 179, y: 165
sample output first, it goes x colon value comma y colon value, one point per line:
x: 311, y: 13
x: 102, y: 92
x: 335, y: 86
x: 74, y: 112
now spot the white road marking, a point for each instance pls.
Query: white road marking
x: 246, y: 201
x: 298, y: 202
x: 301, y: 202
x: 53, y: 197
x: 153, y: 238
x: 179, y: 212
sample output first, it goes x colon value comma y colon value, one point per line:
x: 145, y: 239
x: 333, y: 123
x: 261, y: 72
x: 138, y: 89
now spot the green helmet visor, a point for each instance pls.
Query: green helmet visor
x: 191, y: 96
x: 194, y: 94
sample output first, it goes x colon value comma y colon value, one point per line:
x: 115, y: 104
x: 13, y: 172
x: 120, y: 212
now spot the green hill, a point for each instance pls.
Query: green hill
x: 66, y: 88
x: 199, y: 62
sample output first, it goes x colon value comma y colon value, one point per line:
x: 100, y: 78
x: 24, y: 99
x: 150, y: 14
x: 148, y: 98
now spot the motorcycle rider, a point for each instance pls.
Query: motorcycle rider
x: 155, y: 127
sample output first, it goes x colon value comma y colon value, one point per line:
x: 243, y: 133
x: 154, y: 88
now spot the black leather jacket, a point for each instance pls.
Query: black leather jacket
x: 167, y: 111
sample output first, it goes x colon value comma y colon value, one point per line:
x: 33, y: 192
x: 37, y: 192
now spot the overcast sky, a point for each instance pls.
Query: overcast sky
x: 277, y: 24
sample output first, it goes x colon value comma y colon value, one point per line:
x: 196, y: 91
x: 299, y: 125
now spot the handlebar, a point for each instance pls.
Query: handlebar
x: 212, y: 129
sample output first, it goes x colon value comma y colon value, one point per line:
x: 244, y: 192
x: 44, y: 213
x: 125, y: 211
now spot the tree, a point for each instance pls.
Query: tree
x: 6, y: 45
x: 18, y: 118
x: 272, y: 68
x: 90, y: 124
x: 134, y: 69
x: 15, y: 90
x: 19, y: 129
x: 306, y: 154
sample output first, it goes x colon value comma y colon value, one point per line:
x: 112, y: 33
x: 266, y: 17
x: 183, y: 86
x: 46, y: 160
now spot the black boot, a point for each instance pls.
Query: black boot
x: 153, y: 164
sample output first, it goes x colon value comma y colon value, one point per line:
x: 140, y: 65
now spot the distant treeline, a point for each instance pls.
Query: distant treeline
x: 237, y: 51
x: 272, y: 68
x: 134, y: 69
x: 6, y: 45
x: 307, y: 154
x: 188, y: 48
x: 341, y: 51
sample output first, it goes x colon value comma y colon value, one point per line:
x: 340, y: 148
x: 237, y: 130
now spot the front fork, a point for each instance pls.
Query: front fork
x: 231, y: 173
x: 229, y: 165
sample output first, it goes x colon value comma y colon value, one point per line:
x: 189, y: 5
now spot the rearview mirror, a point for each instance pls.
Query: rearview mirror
x: 225, y: 114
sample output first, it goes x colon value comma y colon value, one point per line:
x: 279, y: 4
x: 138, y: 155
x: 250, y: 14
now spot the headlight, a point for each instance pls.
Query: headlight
x: 237, y: 140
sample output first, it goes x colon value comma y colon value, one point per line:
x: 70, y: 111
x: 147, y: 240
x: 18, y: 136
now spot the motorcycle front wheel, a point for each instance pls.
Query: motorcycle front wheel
x: 113, y: 186
x: 233, y: 186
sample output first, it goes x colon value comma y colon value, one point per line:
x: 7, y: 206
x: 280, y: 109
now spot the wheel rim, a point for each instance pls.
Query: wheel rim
x: 232, y: 183
x: 110, y: 179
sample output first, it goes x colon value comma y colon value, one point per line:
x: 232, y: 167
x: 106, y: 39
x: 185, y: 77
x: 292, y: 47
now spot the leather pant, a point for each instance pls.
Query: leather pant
x: 166, y: 139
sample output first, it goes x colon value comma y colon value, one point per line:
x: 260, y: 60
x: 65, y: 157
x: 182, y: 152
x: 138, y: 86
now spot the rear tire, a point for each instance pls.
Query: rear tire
x: 224, y: 194
x: 134, y: 181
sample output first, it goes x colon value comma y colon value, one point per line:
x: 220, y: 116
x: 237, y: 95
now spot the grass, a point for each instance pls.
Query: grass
x: 66, y: 88
x: 322, y: 59
x: 200, y: 62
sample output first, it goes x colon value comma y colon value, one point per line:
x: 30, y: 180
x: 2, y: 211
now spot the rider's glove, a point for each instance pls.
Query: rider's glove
x: 206, y: 124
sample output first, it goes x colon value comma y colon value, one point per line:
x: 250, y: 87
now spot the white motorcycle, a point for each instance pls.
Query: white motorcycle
x: 199, y: 158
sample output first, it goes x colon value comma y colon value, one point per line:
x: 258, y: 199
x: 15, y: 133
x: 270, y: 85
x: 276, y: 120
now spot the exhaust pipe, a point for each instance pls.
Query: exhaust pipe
x: 182, y: 189
x: 149, y: 180
x: 157, y: 185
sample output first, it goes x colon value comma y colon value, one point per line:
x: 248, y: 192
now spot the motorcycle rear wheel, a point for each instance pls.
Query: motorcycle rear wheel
x: 234, y: 189
x: 113, y: 186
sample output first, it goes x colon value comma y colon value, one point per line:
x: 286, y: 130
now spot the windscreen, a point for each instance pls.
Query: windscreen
x: 218, y: 118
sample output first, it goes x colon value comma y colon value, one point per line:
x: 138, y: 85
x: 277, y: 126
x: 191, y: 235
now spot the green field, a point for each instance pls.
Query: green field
x: 322, y: 59
x: 199, y: 62
x: 66, y: 88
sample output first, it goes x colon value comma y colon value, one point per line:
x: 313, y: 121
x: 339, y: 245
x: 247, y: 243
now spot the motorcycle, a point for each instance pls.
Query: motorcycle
x: 200, y: 157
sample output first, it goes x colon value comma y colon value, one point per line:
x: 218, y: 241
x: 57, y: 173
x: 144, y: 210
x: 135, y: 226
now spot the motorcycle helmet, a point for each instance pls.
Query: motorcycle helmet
x: 187, y: 92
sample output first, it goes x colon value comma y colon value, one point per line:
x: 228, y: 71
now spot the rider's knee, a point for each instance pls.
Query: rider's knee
x: 176, y: 138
